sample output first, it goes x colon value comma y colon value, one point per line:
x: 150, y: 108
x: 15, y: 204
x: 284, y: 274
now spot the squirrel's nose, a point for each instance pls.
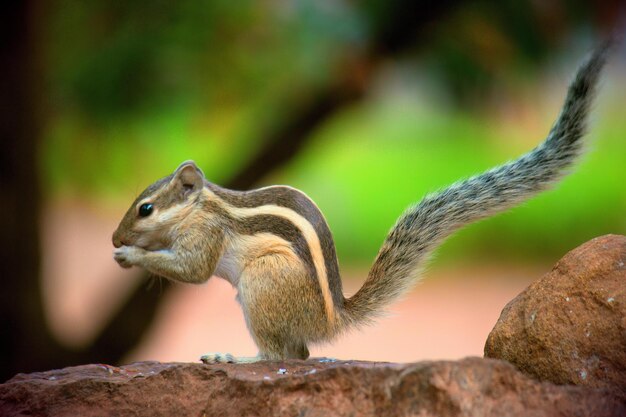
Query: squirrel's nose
x: 117, y: 240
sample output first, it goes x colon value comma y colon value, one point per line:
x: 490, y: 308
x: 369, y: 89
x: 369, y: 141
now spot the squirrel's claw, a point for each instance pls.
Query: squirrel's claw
x: 211, y: 358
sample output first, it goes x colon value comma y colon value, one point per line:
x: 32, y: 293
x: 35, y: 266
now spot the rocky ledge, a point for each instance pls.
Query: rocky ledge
x: 469, y: 387
x: 568, y: 327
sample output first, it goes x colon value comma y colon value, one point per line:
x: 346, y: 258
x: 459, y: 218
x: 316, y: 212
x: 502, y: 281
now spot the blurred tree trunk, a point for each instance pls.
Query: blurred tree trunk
x: 24, y: 338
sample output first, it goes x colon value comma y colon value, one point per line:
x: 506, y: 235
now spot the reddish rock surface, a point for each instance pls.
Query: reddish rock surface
x: 569, y: 327
x: 469, y: 387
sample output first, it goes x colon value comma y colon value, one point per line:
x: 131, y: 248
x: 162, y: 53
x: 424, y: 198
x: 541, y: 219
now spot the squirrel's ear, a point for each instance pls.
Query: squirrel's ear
x: 190, y: 177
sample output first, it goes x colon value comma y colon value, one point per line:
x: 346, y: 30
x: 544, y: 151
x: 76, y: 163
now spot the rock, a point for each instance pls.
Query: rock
x: 469, y: 387
x: 569, y: 327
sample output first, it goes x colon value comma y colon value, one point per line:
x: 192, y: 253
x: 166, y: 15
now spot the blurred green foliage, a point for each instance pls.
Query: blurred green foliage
x: 134, y: 88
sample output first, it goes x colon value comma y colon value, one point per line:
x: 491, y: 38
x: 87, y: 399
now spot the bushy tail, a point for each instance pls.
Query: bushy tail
x: 423, y: 227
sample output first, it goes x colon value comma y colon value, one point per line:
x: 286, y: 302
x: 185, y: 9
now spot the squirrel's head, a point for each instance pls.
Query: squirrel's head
x: 150, y: 220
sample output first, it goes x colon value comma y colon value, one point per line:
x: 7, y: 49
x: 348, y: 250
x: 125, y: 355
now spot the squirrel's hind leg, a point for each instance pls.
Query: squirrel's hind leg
x: 283, y: 306
x: 279, y: 325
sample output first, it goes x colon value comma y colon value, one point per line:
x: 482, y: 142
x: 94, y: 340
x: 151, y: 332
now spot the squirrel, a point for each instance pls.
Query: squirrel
x: 275, y: 247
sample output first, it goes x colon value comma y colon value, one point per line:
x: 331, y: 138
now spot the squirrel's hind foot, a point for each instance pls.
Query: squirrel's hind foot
x: 213, y: 357
x: 210, y: 358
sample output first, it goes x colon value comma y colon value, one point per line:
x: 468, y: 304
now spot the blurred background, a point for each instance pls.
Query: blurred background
x: 365, y: 106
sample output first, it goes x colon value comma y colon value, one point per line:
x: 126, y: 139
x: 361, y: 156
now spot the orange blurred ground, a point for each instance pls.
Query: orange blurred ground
x: 447, y: 316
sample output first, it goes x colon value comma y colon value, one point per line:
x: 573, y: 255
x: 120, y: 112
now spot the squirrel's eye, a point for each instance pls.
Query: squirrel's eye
x: 145, y: 209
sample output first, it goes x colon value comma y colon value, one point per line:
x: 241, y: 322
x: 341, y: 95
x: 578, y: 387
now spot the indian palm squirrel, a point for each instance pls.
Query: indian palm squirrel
x: 275, y: 247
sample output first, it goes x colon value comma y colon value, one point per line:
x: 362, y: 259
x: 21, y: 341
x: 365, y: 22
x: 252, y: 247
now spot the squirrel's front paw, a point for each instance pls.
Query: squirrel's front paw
x: 210, y: 358
x: 127, y: 256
